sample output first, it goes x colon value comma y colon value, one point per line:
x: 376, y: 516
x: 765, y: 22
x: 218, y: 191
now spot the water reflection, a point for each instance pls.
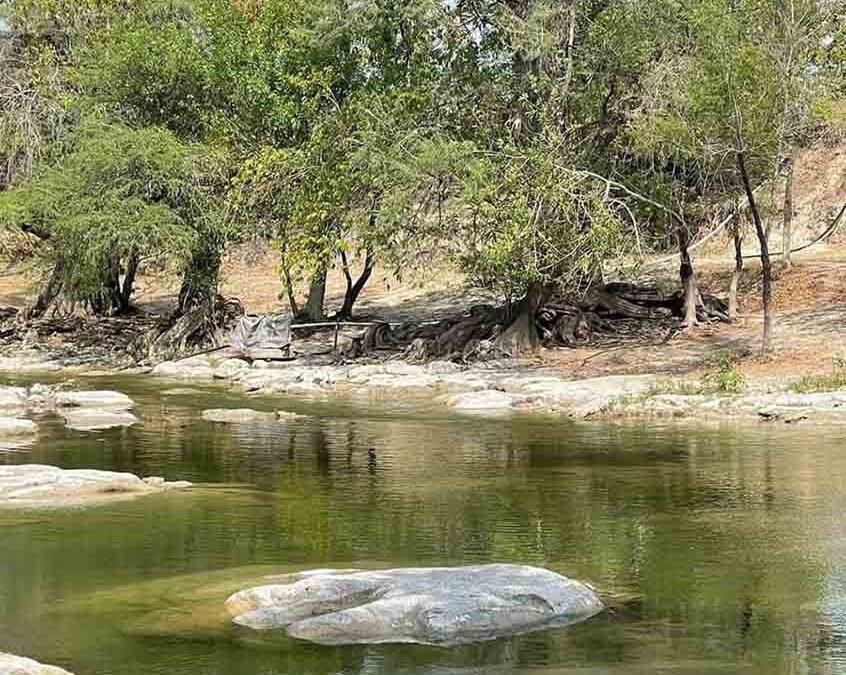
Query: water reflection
x: 719, y: 548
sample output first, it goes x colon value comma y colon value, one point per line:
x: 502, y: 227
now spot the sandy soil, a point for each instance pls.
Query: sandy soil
x: 809, y: 304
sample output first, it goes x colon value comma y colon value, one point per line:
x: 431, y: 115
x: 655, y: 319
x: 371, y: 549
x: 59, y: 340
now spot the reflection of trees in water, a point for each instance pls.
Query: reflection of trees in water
x: 712, y: 532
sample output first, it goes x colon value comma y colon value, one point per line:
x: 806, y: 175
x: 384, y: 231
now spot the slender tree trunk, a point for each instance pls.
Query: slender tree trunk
x: 313, y: 310
x: 787, y: 231
x: 354, y: 289
x: 766, y: 265
x: 48, y: 293
x: 737, y: 233
x: 128, y: 282
x: 688, y: 281
x: 289, y: 289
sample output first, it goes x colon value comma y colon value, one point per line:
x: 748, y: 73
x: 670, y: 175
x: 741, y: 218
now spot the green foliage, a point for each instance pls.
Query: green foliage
x: 722, y: 374
x: 833, y: 381
x: 119, y: 194
x: 533, y: 219
x: 513, y: 138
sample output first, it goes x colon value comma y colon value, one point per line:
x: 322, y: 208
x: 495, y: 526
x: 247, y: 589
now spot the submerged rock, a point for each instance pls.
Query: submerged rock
x: 237, y: 415
x: 14, y: 426
x: 18, y: 665
x: 437, y: 606
x: 40, y: 483
x: 96, y: 419
x: 287, y: 415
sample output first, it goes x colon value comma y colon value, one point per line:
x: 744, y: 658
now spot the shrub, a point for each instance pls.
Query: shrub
x: 721, y: 373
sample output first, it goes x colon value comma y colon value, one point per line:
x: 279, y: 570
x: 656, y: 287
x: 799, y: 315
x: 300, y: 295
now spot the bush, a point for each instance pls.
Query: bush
x: 833, y: 381
x: 721, y: 373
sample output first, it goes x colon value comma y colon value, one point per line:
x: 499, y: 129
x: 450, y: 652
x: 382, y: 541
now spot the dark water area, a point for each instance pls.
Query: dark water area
x: 720, y: 549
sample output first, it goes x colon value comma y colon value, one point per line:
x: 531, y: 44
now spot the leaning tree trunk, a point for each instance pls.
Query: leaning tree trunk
x: 766, y: 265
x: 522, y: 334
x: 48, y: 294
x: 354, y: 289
x: 688, y: 280
x: 313, y: 309
x: 737, y: 235
x: 787, y: 231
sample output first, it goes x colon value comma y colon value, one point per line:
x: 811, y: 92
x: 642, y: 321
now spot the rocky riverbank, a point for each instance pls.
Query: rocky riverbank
x: 492, y: 388
x: 503, y: 387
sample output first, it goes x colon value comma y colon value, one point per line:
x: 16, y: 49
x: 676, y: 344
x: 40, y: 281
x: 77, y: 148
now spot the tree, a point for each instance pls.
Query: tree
x: 728, y: 110
x: 121, y: 197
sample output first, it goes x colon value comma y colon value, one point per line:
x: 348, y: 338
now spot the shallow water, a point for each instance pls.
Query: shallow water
x: 721, y: 550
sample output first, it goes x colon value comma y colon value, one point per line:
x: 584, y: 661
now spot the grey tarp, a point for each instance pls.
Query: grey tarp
x: 272, y: 331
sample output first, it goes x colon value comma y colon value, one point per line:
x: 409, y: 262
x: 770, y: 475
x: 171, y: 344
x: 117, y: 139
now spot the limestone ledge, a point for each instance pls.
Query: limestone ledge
x: 493, y: 388
x: 40, y: 484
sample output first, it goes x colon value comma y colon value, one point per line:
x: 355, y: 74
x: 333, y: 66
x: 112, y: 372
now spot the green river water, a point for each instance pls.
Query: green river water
x: 720, y: 549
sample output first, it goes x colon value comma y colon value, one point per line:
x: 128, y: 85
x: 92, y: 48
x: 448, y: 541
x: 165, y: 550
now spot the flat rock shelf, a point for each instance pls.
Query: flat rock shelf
x: 19, y: 665
x: 441, y: 606
x: 39, y: 484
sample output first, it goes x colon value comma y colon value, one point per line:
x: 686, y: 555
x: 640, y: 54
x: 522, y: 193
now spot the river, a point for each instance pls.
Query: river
x: 720, y: 549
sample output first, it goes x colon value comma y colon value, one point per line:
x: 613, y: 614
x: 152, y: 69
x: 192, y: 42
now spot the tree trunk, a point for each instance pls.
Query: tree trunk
x: 354, y: 289
x: 766, y: 266
x: 48, y: 294
x: 106, y: 300
x: 522, y: 334
x: 688, y: 281
x: 313, y: 310
x: 199, y: 282
x: 787, y: 231
x: 128, y: 282
x: 289, y: 289
x: 737, y: 233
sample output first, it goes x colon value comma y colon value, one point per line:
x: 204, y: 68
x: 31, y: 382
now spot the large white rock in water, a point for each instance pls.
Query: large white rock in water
x: 14, y: 426
x: 12, y: 397
x: 237, y: 415
x: 96, y: 399
x: 18, y: 665
x: 95, y: 419
x: 437, y: 606
x: 39, y: 483
x: 42, y: 397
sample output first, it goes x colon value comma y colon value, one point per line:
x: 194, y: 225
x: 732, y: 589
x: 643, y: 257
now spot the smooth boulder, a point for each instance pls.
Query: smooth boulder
x: 18, y: 665
x: 95, y: 399
x: 435, y: 606
x: 40, y: 484
x: 96, y: 419
x: 15, y: 427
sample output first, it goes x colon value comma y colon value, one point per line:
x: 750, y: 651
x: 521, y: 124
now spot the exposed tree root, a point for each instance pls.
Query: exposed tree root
x: 202, y: 326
